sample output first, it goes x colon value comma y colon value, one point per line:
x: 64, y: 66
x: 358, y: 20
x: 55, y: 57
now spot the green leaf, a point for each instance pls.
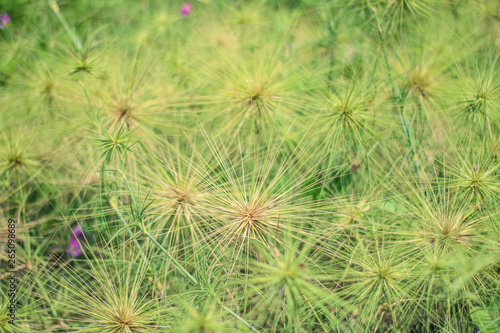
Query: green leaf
x: 482, y: 319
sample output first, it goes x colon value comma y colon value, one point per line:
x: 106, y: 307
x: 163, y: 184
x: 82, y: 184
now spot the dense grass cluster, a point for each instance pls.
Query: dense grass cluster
x: 235, y: 166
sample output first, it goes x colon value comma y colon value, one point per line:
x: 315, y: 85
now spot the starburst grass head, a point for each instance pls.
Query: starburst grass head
x: 291, y: 288
x: 452, y: 278
x: 422, y: 66
x: 377, y: 281
x: 479, y: 98
x: 393, y: 17
x: 349, y: 216
x: 137, y: 95
x: 112, y: 144
x: 204, y: 320
x: 111, y: 295
x: 255, y: 198
x: 41, y: 82
x: 476, y: 179
x: 346, y: 114
x: 179, y: 212
x: 442, y: 218
x: 26, y: 160
x: 19, y: 157
x: 256, y: 92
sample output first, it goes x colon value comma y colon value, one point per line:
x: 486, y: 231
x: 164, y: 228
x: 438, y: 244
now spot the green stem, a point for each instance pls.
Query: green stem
x: 124, y: 221
x: 181, y: 268
x: 170, y: 256
x: 55, y: 9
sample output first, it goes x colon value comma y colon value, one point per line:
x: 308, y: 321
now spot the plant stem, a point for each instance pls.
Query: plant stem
x: 179, y: 266
x: 55, y: 9
x: 124, y: 221
x: 194, y: 280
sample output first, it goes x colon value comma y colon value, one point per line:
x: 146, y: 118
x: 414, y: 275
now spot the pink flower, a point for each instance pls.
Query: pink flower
x: 186, y: 9
x: 77, y: 236
x: 4, y: 19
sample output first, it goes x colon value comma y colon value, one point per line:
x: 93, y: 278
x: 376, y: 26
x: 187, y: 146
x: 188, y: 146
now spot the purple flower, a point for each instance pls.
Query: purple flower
x: 186, y: 9
x: 475, y: 168
x: 4, y: 19
x: 77, y: 237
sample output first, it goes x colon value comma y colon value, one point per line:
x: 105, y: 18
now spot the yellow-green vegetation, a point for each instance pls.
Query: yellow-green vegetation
x: 235, y: 166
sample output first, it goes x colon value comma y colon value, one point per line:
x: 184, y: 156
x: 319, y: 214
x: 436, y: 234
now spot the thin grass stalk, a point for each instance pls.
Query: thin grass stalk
x: 176, y: 263
x: 74, y: 38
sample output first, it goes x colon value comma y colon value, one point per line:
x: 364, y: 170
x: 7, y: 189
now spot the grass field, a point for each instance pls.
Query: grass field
x: 237, y: 166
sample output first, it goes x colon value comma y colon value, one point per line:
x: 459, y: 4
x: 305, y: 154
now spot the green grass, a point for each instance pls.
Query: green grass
x: 267, y: 166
